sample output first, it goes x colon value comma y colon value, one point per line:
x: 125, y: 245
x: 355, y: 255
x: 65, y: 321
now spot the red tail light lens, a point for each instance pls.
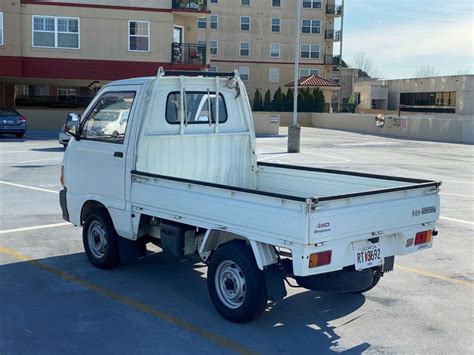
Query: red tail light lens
x: 320, y: 259
x: 423, y: 237
x: 22, y: 118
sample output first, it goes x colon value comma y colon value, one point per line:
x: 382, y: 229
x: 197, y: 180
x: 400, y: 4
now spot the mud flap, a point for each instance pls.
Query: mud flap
x: 274, y: 281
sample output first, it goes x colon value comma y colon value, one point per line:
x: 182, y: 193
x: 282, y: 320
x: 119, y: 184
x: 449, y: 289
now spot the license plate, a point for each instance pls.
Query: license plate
x: 368, y: 256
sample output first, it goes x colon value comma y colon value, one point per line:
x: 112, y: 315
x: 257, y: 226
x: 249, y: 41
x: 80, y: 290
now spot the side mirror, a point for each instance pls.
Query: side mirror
x: 72, y: 124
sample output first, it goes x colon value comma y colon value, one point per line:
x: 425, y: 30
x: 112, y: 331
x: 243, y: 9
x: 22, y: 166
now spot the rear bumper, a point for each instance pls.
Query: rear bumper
x: 64, y: 138
x: 13, y: 129
x: 63, y: 204
x: 392, y: 243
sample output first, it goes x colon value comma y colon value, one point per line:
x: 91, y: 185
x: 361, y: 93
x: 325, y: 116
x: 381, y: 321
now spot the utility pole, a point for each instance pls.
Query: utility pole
x: 340, y: 56
x: 294, y: 131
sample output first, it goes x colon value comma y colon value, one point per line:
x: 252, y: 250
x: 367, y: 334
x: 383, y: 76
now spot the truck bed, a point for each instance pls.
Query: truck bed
x: 297, y: 207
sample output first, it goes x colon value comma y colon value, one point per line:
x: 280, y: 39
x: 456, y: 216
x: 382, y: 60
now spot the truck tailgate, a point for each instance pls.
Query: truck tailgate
x: 375, y: 213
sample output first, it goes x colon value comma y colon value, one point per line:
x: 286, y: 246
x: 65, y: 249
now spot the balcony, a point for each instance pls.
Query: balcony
x: 188, y: 53
x: 190, y: 5
x: 335, y: 10
x: 334, y: 36
x: 333, y: 60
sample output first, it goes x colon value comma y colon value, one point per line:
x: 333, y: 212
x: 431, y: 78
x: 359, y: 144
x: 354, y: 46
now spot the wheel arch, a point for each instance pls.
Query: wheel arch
x: 89, y: 206
x: 264, y: 253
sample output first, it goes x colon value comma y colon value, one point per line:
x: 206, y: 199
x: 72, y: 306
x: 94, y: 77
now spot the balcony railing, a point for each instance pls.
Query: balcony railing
x: 190, y: 5
x: 330, y: 59
x: 333, y: 35
x: 188, y: 53
x: 53, y: 101
x: 332, y: 9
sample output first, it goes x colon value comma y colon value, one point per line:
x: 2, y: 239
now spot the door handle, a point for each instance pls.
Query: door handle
x: 118, y: 154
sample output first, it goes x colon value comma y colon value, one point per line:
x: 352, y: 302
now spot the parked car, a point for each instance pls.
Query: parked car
x: 13, y: 122
x: 158, y: 160
x: 72, y: 120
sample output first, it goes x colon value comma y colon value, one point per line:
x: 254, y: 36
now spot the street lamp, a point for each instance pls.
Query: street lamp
x: 294, y: 131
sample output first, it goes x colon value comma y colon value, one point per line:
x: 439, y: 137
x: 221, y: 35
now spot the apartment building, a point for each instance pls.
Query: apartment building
x: 69, y: 48
x: 257, y: 37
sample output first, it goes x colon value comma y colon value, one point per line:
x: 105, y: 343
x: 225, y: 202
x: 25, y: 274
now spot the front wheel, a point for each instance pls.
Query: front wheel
x: 100, y: 240
x: 236, y: 285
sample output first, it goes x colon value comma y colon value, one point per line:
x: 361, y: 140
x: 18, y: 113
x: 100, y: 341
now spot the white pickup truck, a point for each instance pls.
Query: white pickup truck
x: 171, y: 160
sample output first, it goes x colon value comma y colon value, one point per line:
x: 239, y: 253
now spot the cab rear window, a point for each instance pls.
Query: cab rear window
x: 199, y: 108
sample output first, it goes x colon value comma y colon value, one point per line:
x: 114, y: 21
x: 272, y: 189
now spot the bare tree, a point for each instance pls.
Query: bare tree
x: 362, y: 61
x: 426, y: 71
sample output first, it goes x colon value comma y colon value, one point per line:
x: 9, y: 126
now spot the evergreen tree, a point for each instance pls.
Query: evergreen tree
x: 257, y: 101
x: 301, y: 106
x: 309, y: 102
x: 277, y: 103
x: 289, y: 100
x: 267, y: 103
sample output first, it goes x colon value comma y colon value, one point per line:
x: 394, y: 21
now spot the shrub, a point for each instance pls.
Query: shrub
x: 257, y: 101
x: 267, y: 103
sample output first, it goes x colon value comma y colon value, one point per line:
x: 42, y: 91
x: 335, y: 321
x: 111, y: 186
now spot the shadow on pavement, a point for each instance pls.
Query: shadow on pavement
x: 32, y: 297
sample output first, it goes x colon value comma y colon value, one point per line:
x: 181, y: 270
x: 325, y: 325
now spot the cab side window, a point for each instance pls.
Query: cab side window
x: 108, y: 119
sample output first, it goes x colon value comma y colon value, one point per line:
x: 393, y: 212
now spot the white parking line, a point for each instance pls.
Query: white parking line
x: 37, y: 160
x: 457, y: 220
x: 44, y: 226
x: 445, y: 193
x: 28, y: 187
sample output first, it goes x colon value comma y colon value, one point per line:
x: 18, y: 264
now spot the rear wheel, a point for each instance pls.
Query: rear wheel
x: 236, y: 285
x: 100, y: 240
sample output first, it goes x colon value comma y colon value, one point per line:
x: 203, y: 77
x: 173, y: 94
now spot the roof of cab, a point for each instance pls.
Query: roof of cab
x: 132, y: 81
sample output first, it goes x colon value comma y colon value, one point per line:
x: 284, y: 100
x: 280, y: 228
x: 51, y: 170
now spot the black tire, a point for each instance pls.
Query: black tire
x: 239, y: 259
x: 377, y: 275
x: 103, y: 254
x: 19, y: 135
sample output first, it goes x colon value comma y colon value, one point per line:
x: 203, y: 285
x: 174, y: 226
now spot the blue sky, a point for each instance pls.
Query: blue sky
x: 400, y: 36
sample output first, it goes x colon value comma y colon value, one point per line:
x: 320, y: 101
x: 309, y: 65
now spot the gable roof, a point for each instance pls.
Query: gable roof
x: 314, y: 81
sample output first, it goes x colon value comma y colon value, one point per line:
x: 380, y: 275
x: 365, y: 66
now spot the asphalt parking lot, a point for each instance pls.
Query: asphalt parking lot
x: 53, y: 301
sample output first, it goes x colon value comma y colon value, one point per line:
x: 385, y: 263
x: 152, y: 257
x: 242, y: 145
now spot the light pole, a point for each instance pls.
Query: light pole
x: 294, y: 130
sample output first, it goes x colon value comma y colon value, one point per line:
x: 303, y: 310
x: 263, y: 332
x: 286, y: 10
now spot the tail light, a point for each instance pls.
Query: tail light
x: 22, y: 118
x: 320, y: 259
x: 423, y: 237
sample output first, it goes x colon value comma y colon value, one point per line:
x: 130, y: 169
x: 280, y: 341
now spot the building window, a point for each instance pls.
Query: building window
x: 214, y: 1
x: 245, y: 2
x: 212, y: 69
x: 307, y: 72
x: 63, y: 92
x: 244, y: 49
x: 310, y: 26
x: 139, y: 36
x: 274, y: 75
x: 276, y: 25
x: 214, y: 50
x: 55, y: 32
x: 312, y: 4
x: 244, y: 73
x: 275, y: 50
x: 214, y: 22
x: 309, y: 51
x: 1, y: 28
x: 245, y: 23
x: 202, y: 22
x: 276, y: 3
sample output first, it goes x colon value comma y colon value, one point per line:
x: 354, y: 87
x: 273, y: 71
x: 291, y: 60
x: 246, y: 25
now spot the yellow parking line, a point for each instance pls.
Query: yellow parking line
x: 435, y: 276
x: 165, y: 317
